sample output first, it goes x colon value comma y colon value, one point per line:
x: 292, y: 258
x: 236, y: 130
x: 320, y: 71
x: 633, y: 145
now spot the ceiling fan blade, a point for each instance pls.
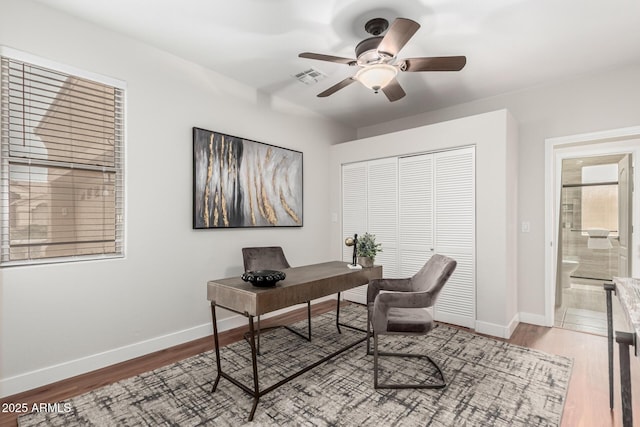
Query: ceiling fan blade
x: 399, y: 33
x: 393, y: 90
x: 336, y: 87
x: 436, y: 63
x: 329, y: 58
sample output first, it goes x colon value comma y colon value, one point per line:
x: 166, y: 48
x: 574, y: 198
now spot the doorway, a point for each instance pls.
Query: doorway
x: 585, y: 146
x: 593, y: 229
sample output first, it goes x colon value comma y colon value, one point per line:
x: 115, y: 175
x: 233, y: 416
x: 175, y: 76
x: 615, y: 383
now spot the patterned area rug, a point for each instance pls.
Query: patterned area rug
x: 491, y: 383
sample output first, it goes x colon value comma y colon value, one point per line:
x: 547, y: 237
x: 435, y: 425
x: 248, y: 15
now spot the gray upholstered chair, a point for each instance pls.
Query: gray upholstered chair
x: 264, y: 258
x: 401, y: 310
x: 270, y: 258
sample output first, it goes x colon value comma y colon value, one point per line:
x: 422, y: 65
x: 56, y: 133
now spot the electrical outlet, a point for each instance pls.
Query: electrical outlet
x: 526, y: 226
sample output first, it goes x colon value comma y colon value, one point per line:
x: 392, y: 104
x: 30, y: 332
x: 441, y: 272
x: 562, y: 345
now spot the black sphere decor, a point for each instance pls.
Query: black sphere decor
x: 263, y: 278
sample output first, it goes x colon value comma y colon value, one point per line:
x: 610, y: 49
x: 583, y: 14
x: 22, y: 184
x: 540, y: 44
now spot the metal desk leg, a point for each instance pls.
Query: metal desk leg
x: 309, y: 319
x: 338, y: 324
x: 624, y: 340
x: 217, y: 347
x: 255, y: 392
x: 609, y: 288
x: 308, y: 337
x: 254, y: 361
x: 338, y: 314
x: 258, y: 343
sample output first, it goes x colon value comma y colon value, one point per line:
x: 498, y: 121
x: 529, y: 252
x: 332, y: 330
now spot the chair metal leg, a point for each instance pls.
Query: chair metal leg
x: 368, y: 331
x: 375, y: 358
x: 377, y: 354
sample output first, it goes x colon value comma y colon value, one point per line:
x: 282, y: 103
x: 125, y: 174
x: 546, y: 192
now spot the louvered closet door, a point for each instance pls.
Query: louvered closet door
x: 354, y: 214
x: 415, y: 212
x: 382, y: 195
x: 454, y: 175
x: 354, y: 203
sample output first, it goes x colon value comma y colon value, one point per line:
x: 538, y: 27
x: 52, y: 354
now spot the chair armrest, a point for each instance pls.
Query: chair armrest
x: 377, y: 285
x: 387, y: 300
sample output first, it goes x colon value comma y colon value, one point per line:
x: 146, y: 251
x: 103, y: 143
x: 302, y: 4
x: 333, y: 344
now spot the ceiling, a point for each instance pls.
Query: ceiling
x: 509, y: 44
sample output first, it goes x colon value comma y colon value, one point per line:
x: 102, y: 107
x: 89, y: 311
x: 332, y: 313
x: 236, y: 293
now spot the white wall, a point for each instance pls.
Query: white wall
x: 595, y: 102
x: 60, y: 320
x: 495, y: 137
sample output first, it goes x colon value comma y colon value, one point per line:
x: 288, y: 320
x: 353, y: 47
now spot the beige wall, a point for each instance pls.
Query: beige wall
x: 589, y: 103
x: 60, y: 320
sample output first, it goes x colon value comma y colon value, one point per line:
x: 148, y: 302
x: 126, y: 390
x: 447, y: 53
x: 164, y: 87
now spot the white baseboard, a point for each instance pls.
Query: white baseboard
x: 51, y: 374
x: 61, y: 371
x: 358, y: 295
x: 513, y: 324
x: 533, y: 319
x: 496, y: 330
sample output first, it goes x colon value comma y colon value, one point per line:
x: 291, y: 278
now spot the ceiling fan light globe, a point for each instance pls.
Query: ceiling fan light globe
x: 376, y: 76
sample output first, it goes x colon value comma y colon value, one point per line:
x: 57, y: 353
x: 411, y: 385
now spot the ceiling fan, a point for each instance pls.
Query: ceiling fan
x: 376, y: 57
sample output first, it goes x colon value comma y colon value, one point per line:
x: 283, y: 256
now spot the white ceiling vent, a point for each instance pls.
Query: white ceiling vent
x: 310, y: 76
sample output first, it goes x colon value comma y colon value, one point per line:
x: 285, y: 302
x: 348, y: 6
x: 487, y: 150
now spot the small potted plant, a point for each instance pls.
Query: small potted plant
x: 367, y: 248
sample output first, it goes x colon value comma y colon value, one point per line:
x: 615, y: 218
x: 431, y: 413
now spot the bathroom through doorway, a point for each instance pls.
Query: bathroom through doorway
x: 590, y: 214
x: 593, y: 231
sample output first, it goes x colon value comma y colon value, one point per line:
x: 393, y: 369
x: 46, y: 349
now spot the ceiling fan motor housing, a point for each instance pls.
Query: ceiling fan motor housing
x: 367, y: 52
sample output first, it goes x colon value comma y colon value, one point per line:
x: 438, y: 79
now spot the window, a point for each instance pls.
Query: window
x: 600, y: 197
x: 600, y: 207
x: 61, y: 152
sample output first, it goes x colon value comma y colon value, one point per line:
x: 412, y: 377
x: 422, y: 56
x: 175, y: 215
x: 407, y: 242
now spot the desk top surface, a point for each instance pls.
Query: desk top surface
x: 628, y: 291
x: 301, y: 284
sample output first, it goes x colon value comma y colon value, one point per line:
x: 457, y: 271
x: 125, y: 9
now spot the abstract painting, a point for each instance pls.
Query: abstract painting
x: 242, y: 183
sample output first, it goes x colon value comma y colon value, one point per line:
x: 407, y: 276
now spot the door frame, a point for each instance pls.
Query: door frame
x: 615, y: 141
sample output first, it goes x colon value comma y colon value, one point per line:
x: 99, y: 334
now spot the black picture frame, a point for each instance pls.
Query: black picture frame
x: 240, y: 183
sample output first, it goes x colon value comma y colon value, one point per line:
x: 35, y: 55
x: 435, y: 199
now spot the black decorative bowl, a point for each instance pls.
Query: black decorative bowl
x: 263, y: 278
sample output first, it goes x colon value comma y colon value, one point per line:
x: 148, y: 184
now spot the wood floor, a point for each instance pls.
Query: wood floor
x: 587, y: 399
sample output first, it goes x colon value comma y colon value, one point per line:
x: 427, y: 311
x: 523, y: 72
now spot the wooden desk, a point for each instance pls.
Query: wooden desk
x: 628, y: 292
x: 302, y: 284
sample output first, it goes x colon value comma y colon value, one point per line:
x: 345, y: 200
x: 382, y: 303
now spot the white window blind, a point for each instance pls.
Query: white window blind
x: 61, y: 152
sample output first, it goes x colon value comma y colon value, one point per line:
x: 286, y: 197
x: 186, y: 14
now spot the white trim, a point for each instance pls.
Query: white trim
x: 19, y: 55
x: 51, y: 374
x: 587, y: 144
x: 54, y: 373
x: 357, y: 295
x: 533, y: 319
x: 495, y: 330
